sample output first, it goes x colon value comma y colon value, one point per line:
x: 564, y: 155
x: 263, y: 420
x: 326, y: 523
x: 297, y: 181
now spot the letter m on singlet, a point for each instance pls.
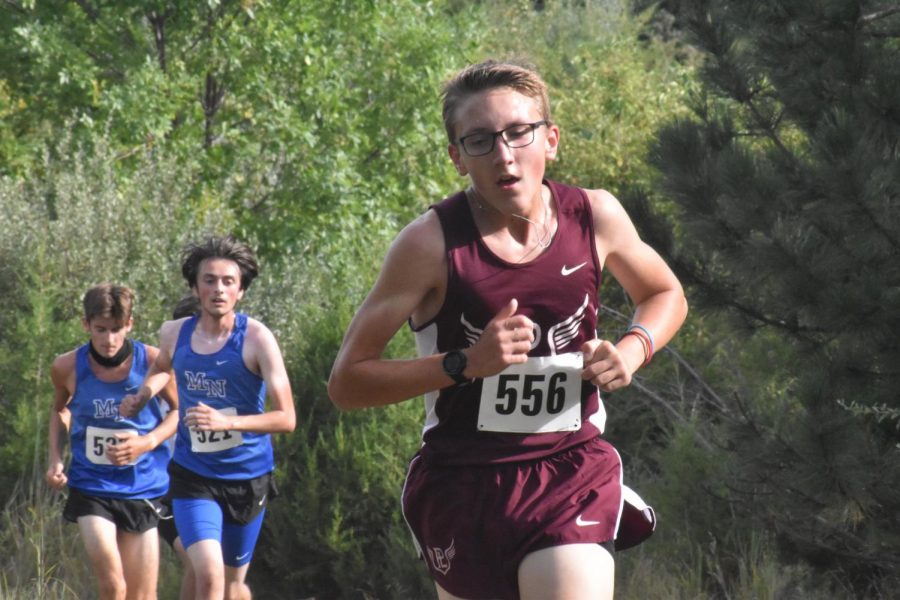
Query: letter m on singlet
x: 214, y: 388
x: 105, y: 408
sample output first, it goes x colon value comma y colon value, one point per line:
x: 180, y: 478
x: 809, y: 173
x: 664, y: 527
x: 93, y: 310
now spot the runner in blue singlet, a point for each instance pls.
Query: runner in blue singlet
x: 118, y: 468
x: 226, y: 365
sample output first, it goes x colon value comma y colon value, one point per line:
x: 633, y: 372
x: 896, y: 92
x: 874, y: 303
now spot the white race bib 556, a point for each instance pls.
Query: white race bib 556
x: 538, y: 396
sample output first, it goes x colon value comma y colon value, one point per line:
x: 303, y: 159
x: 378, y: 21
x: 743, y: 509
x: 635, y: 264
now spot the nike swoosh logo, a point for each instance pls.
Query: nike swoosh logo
x: 219, y: 363
x: 567, y: 271
x: 242, y: 556
x: 263, y: 499
x: 131, y: 388
x: 582, y: 523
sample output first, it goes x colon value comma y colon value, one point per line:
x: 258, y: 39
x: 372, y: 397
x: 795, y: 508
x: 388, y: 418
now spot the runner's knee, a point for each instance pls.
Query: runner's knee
x: 111, y: 586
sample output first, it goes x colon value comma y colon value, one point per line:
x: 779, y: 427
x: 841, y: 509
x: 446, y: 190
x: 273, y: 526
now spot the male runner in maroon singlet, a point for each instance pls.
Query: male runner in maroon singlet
x: 514, y: 493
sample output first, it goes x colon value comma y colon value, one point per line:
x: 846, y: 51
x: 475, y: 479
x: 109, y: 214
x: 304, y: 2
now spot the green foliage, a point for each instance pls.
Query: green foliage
x: 355, y: 543
x: 786, y: 178
x: 309, y: 116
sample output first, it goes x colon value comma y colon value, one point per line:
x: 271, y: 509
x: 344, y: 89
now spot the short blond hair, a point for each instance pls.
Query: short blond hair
x: 487, y: 75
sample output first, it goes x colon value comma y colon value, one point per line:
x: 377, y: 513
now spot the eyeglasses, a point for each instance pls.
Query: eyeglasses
x: 517, y: 136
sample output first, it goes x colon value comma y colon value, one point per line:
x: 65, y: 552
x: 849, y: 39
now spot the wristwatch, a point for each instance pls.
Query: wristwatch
x: 454, y: 364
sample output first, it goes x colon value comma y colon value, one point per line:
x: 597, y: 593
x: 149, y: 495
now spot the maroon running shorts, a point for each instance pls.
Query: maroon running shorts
x: 474, y: 524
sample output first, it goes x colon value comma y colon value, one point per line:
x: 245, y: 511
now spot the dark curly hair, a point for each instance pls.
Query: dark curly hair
x: 219, y: 247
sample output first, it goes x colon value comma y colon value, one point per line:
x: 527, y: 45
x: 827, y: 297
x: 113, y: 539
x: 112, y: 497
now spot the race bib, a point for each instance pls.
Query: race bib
x: 97, y: 439
x: 216, y: 441
x: 539, y: 396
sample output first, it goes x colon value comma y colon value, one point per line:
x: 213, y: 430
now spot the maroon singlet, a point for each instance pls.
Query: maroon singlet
x: 557, y: 290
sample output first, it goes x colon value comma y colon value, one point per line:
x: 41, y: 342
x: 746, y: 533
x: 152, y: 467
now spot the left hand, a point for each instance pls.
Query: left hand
x: 206, y: 418
x: 128, y: 448
x: 605, y: 366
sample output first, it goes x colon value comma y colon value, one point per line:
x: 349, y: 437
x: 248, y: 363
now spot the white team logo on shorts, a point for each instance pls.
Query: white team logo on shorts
x: 440, y: 558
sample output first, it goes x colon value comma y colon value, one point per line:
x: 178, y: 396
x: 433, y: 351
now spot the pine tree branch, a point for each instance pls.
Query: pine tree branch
x: 883, y: 34
x: 769, y: 130
x: 879, y: 14
x: 635, y: 383
x: 718, y: 402
x: 771, y: 433
x: 726, y: 299
x: 877, y: 224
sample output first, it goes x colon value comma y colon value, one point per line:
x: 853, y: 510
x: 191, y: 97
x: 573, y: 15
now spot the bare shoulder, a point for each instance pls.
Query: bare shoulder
x: 413, y: 276
x: 257, y: 330
x: 421, y: 240
x: 261, y: 351
x: 171, y: 329
x: 415, y: 261
x: 168, y: 335
x: 606, y: 208
x: 259, y: 338
x: 63, y: 366
x: 613, y: 228
x: 152, y: 352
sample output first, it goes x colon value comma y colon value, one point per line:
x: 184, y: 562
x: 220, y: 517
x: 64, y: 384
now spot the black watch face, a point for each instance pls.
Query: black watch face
x: 454, y: 362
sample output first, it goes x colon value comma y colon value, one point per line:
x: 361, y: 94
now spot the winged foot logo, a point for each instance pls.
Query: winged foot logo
x: 442, y: 557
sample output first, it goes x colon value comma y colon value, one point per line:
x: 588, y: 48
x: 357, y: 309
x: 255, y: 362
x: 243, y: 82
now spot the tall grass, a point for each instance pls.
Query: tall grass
x: 42, y: 554
x: 41, y: 558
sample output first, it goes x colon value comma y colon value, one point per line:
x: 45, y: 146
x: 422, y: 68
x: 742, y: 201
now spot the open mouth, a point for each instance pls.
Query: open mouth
x: 507, y: 181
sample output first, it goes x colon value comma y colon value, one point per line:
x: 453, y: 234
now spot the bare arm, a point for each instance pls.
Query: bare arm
x: 660, y: 304
x: 265, y: 355
x: 62, y: 373
x: 129, y: 446
x: 411, y: 284
x: 410, y: 274
x: 159, y: 376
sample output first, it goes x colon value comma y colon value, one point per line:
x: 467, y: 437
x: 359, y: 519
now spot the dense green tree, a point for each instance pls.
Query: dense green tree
x: 787, y: 181
x: 303, y: 115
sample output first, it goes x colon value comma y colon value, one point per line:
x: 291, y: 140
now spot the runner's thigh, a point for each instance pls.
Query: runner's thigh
x: 569, y: 572
x: 99, y: 536
x: 140, y: 561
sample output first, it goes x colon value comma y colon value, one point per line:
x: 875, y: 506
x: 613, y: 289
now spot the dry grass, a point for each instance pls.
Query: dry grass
x: 43, y: 558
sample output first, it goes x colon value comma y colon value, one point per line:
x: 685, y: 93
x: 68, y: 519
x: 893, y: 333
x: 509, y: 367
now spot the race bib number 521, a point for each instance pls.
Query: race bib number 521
x: 216, y: 441
x: 539, y: 396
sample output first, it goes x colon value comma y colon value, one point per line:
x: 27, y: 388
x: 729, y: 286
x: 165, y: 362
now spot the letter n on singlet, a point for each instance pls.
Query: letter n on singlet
x: 214, y: 388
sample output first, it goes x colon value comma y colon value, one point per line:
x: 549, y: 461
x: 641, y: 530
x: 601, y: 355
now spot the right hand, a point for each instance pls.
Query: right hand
x: 130, y: 405
x: 56, y: 476
x: 128, y: 447
x: 506, y: 340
